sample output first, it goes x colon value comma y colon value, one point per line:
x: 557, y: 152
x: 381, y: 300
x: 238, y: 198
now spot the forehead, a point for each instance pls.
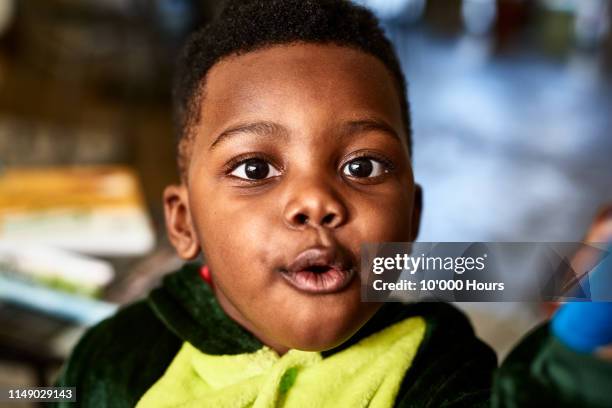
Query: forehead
x: 301, y: 86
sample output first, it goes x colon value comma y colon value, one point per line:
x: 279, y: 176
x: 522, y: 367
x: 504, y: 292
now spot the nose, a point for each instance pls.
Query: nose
x: 314, y: 204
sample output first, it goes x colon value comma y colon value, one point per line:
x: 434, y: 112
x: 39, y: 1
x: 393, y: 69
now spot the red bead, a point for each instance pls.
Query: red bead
x: 205, y: 274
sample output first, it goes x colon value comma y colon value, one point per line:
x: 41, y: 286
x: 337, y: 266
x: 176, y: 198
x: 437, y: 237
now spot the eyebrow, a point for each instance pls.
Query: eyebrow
x: 267, y: 129
x: 261, y: 128
x: 368, y: 125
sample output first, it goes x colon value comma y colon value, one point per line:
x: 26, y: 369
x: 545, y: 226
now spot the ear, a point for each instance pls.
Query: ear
x: 179, y: 225
x: 417, y: 209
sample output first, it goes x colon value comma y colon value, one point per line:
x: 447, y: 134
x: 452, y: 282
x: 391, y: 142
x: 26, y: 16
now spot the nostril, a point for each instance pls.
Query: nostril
x: 328, y: 219
x: 302, y: 219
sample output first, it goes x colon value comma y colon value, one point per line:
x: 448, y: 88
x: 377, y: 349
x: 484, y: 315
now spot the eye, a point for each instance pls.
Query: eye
x: 363, y: 167
x: 255, y: 169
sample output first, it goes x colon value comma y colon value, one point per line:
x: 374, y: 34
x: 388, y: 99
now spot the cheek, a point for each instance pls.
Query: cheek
x: 384, y: 219
x: 233, y: 234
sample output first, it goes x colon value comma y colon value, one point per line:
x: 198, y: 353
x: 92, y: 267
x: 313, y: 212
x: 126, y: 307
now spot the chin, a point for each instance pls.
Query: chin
x: 318, y: 332
x: 321, y: 343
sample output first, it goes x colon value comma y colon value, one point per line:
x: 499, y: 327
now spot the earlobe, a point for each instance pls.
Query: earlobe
x: 179, y: 225
x: 416, y: 211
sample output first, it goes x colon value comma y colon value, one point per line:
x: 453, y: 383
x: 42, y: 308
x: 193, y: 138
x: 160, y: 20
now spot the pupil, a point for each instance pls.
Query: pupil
x: 256, y: 169
x: 360, y: 167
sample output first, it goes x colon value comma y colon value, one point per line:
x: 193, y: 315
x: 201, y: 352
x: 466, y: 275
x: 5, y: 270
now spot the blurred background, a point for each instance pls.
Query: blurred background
x: 511, y: 103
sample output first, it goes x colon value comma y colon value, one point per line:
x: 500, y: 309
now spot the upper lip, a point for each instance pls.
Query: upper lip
x: 319, y: 256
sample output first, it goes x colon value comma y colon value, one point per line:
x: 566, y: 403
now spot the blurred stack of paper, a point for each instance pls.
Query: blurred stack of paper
x: 54, y: 281
x: 95, y: 210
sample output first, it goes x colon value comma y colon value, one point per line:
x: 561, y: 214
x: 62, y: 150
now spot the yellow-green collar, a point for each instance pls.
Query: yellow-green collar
x: 368, y: 373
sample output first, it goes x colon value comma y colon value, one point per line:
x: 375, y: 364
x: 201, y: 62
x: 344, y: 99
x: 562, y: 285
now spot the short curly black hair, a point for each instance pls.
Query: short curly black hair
x: 247, y: 25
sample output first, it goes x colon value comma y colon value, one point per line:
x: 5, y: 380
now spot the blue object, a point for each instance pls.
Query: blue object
x: 585, y: 326
x: 68, y: 306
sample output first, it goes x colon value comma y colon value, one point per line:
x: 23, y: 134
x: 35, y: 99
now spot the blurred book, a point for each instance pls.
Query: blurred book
x: 96, y: 210
x: 55, y: 282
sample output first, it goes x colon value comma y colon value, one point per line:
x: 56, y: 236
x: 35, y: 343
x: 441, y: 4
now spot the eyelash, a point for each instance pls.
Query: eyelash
x: 235, y: 162
x: 386, y: 162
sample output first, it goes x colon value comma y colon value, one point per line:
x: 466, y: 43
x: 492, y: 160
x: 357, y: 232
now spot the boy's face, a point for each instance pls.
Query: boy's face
x: 298, y: 158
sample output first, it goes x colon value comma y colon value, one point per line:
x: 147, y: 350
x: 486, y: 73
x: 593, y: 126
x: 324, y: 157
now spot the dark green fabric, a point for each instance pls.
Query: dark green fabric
x: 120, y: 358
x: 453, y: 368
x: 541, y: 370
x: 187, y: 306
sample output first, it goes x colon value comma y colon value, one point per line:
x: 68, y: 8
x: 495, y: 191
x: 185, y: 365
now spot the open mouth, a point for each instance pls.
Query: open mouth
x: 319, y: 270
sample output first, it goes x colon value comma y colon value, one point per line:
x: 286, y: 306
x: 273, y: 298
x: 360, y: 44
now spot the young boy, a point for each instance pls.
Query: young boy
x: 294, y: 149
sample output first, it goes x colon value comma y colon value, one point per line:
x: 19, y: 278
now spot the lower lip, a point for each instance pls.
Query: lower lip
x: 331, y: 281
